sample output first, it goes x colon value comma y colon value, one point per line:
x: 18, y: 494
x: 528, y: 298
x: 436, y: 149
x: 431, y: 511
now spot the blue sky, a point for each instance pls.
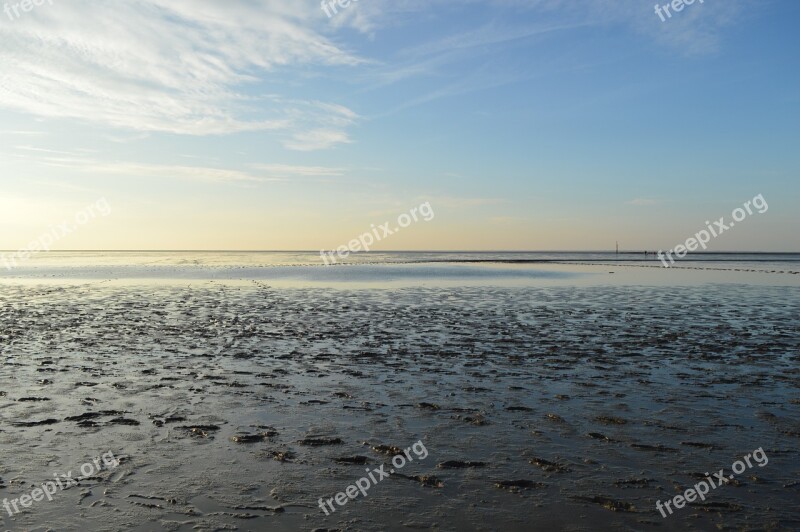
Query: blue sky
x: 537, y: 124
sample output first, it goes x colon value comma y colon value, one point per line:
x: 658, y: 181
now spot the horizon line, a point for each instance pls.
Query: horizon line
x: 613, y: 252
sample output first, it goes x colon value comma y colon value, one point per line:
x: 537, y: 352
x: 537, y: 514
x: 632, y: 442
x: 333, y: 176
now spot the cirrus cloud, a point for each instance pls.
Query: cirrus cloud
x: 185, y: 67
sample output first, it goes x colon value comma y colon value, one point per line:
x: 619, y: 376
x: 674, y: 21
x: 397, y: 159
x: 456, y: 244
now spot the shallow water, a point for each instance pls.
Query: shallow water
x: 629, y: 392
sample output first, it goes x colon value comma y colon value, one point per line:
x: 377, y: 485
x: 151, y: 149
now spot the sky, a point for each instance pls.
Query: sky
x: 524, y: 124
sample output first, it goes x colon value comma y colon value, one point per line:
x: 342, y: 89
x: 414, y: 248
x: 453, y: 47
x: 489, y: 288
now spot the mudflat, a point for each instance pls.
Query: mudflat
x: 239, y: 405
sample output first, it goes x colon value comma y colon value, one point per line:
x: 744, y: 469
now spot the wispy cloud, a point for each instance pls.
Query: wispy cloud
x: 79, y: 162
x: 42, y: 150
x: 283, y: 171
x: 316, y: 140
x: 195, y: 67
x: 176, y: 66
x: 193, y: 173
x: 468, y: 53
x: 694, y: 31
x: 487, y: 35
x: 21, y: 133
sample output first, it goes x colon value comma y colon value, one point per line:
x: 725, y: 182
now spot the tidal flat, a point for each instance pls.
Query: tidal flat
x: 237, y: 405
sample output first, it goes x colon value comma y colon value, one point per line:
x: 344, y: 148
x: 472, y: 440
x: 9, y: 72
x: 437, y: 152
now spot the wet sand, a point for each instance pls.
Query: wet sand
x: 544, y: 402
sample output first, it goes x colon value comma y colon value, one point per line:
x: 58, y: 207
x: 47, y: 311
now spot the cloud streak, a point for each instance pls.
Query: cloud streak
x: 176, y: 66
